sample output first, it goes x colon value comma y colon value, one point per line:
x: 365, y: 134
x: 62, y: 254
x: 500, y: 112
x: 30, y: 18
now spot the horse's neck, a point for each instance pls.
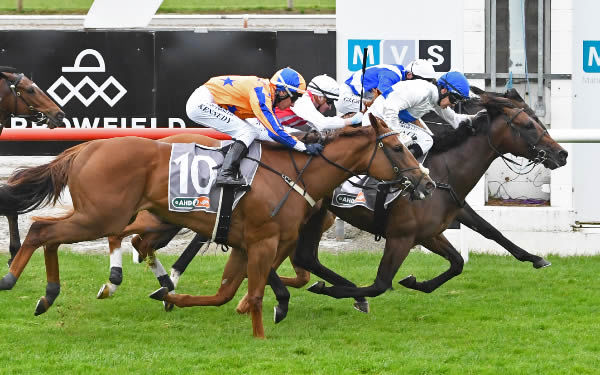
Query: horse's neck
x: 463, y: 166
x: 322, y: 177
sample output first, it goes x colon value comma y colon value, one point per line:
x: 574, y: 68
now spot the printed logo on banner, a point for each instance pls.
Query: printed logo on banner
x: 98, y: 91
x: 591, y: 56
x: 396, y: 51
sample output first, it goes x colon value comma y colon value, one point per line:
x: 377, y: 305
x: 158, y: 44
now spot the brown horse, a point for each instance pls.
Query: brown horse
x: 111, y: 180
x: 20, y: 97
x: 457, y: 159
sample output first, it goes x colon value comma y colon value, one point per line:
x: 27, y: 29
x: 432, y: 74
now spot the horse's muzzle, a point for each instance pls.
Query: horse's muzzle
x: 56, y: 120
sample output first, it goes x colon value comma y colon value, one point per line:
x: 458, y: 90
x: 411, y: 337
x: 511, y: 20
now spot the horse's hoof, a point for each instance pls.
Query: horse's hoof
x: 168, y: 306
x: 159, y: 294
x: 42, y: 306
x: 408, y: 281
x: 362, y: 306
x: 541, y: 263
x: 317, y: 287
x: 279, y: 314
x: 104, y: 292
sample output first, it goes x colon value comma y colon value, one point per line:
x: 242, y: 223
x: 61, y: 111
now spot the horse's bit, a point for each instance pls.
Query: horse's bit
x: 35, y: 116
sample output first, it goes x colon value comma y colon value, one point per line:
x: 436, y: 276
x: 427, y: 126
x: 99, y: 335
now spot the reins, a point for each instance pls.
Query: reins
x: 13, y: 86
x: 302, y: 191
x: 541, y: 154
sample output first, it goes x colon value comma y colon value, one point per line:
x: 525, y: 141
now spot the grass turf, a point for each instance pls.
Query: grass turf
x: 499, y: 316
x: 176, y: 6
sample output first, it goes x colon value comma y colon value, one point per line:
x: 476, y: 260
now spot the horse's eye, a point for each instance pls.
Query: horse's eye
x: 530, y: 125
x: 399, y: 148
x: 30, y: 90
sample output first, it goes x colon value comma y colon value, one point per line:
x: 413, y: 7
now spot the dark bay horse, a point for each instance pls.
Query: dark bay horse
x: 111, y: 180
x: 311, y: 234
x: 457, y: 159
x: 20, y: 97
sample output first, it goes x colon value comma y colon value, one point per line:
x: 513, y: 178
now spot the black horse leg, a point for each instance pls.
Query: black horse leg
x: 15, y: 239
x: 188, y: 255
x: 282, y: 295
x: 471, y: 219
x: 306, y: 256
x: 396, y: 250
x: 441, y: 246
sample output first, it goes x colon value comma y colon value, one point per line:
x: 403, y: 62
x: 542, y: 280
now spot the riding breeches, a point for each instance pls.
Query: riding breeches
x: 416, y: 134
x: 202, y: 109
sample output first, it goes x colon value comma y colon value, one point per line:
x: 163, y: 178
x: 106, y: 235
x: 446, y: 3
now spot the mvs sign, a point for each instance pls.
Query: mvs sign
x: 399, y: 52
x: 591, y: 56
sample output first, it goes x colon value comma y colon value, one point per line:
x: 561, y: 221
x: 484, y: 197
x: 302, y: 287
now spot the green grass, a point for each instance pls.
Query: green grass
x: 499, y: 317
x: 176, y: 6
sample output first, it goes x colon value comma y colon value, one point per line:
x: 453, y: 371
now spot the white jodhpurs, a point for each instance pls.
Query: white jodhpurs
x: 416, y: 134
x: 202, y: 109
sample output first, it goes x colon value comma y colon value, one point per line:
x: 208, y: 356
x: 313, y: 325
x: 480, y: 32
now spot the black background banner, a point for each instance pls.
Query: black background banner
x: 144, y: 78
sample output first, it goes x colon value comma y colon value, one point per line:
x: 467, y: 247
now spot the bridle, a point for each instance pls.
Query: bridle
x: 401, y: 179
x: 35, y: 115
x: 540, y: 155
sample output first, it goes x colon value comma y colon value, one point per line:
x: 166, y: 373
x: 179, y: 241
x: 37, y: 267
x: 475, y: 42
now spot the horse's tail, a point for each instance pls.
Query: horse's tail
x: 30, y: 188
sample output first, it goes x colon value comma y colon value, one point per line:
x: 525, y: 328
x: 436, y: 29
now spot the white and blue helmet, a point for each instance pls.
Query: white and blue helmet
x: 456, y: 83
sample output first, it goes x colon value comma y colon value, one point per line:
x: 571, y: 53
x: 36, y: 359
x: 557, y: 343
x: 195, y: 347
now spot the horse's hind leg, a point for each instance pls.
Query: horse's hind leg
x: 441, y: 246
x: 186, y: 257
x: 233, y: 275
x: 471, y: 219
x: 52, y: 277
x: 116, y: 268
x: 15, y: 239
x: 396, y: 250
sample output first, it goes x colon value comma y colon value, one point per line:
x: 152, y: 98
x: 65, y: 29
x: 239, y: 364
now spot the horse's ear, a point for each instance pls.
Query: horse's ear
x: 476, y: 90
x: 513, y: 94
x: 8, y: 69
x: 375, y: 123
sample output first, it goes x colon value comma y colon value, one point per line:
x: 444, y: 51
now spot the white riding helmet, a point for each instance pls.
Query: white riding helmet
x: 422, y: 68
x: 324, y: 85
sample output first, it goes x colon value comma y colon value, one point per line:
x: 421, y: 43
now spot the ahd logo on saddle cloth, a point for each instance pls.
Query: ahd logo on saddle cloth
x: 192, y: 173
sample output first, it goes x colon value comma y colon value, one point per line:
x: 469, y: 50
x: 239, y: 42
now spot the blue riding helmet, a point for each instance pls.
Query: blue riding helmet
x: 290, y: 81
x: 456, y: 83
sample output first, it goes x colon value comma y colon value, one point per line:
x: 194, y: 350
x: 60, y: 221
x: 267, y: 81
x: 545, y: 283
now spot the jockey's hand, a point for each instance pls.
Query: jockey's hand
x: 356, y: 119
x: 314, y: 148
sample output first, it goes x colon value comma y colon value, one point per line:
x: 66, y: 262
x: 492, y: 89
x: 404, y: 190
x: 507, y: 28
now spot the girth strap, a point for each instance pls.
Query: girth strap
x: 448, y: 187
x: 222, y: 225
x: 380, y: 214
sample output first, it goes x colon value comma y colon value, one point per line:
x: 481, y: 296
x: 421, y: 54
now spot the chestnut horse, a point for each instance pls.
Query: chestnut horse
x: 20, y: 97
x: 111, y: 180
x: 457, y: 159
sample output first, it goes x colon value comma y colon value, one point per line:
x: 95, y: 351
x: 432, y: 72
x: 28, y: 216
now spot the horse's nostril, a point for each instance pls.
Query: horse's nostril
x: 430, y: 186
x: 60, y: 116
x: 563, y: 154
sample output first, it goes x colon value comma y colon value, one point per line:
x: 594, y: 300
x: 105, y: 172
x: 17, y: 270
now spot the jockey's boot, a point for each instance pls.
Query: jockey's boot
x: 228, y: 175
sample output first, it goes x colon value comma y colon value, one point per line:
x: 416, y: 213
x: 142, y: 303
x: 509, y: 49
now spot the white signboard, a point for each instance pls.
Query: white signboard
x: 398, y: 32
x: 107, y: 14
x: 586, y: 96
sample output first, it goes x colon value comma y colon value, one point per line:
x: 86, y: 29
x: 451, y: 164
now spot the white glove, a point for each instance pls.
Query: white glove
x: 356, y: 119
x: 405, y: 139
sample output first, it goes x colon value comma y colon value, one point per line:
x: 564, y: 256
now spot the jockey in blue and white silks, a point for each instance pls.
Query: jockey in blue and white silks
x: 381, y: 77
x: 408, y: 101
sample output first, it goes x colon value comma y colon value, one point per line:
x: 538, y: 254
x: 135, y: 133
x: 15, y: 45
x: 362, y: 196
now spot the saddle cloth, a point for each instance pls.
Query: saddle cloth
x: 348, y: 195
x: 193, y: 170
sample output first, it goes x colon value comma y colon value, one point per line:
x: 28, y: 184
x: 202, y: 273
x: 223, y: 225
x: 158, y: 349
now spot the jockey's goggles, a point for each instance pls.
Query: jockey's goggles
x: 454, y: 98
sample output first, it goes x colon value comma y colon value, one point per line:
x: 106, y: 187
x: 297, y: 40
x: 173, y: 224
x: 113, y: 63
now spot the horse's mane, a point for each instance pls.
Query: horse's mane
x: 445, y: 139
x: 8, y: 69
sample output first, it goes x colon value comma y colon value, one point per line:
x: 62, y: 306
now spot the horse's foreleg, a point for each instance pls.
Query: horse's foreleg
x: 302, y: 276
x: 306, y: 255
x: 116, y: 268
x: 15, y: 239
x: 52, y: 277
x: 261, y: 255
x: 471, y: 219
x: 396, y: 250
x: 441, y: 246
